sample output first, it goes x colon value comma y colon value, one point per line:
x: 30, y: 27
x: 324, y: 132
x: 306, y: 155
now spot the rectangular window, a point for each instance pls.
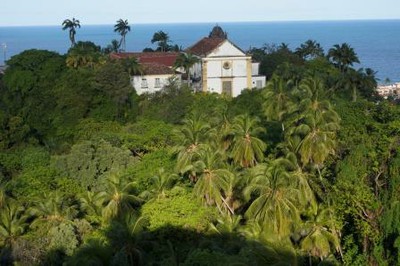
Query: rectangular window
x: 144, y: 83
x: 157, y: 83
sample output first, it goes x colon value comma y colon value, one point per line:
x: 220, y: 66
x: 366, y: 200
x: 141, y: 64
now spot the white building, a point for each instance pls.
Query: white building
x: 224, y: 67
x: 157, y: 70
x: 392, y: 90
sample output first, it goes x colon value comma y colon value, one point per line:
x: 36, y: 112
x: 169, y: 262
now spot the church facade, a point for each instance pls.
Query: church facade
x: 223, y: 67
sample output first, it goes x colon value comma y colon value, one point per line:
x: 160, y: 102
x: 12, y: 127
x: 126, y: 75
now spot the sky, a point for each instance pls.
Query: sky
x: 90, y: 12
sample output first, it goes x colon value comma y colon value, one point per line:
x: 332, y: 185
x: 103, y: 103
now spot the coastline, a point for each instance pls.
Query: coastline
x: 367, y: 37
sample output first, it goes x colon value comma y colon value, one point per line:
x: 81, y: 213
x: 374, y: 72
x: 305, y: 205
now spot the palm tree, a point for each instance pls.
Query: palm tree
x: 276, y: 198
x: 316, y: 125
x: 132, y: 66
x: 227, y: 224
x: 212, y: 185
x: 83, y: 54
x: 53, y: 209
x: 134, y: 226
x: 362, y: 80
x: 320, y: 237
x: 162, y: 39
x: 92, y: 204
x: 186, y: 61
x: 343, y: 56
x: 303, y: 182
x: 247, y: 149
x: 71, y: 25
x: 113, y: 47
x: 310, y: 50
x: 76, y: 59
x: 119, y: 197
x: 93, y: 252
x: 161, y: 183
x: 284, y: 47
x: 124, y: 237
x: 122, y: 27
x: 12, y: 222
x: 192, y: 138
x: 278, y: 103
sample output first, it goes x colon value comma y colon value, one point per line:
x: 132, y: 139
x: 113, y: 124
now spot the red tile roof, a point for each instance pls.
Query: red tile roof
x: 205, y: 46
x: 162, y: 58
x: 156, y: 69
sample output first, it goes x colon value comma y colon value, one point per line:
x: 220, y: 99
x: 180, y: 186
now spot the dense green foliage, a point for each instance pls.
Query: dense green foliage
x: 305, y: 171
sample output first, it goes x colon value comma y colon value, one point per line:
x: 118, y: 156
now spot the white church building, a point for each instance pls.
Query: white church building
x: 224, y: 67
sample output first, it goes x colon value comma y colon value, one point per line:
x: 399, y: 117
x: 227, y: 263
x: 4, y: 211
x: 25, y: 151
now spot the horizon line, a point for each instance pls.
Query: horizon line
x: 218, y: 22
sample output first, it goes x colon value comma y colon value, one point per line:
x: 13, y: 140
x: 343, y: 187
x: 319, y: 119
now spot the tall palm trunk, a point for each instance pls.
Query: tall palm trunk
x: 354, y: 93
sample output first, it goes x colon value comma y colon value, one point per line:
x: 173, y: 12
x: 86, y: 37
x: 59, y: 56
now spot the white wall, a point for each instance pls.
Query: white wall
x: 238, y: 67
x: 151, y: 82
x: 226, y: 49
x: 238, y: 85
x: 237, y: 73
x: 256, y: 80
x: 255, y: 67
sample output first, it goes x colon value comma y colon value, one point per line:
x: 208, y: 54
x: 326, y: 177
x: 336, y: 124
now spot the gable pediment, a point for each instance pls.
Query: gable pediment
x: 226, y: 49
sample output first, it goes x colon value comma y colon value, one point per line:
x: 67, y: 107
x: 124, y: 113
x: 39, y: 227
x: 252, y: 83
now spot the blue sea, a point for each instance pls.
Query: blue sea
x: 377, y: 42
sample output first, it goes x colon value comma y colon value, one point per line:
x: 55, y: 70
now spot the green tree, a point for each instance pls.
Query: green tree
x: 343, y: 56
x: 276, y: 198
x: 192, y: 138
x: 13, y: 222
x: 93, y: 252
x: 52, y: 210
x: 162, y: 39
x: 29, y: 94
x: 278, y: 103
x: 161, y: 183
x: 92, y: 204
x: 125, y: 238
x: 212, y: 184
x: 310, y: 50
x: 186, y: 61
x: 316, y: 125
x: 119, y: 197
x: 321, y: 238
x: 71, y: 25
x: 247, y: 149
x: 113, y: 47
x: 83, y: 54
x: 132, y: 66
x: 112, y: 83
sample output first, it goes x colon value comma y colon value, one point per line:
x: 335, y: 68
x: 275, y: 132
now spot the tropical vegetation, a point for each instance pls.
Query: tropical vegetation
x: 305, y: 171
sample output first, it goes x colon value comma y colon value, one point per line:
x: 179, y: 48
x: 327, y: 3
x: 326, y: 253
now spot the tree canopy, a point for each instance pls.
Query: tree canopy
x: 302, y: 172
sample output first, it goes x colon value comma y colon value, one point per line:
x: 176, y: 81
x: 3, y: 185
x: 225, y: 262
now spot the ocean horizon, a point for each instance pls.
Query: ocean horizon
x: 375, y: 41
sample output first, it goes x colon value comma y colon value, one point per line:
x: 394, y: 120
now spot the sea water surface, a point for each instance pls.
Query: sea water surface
x: 376, y: 42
